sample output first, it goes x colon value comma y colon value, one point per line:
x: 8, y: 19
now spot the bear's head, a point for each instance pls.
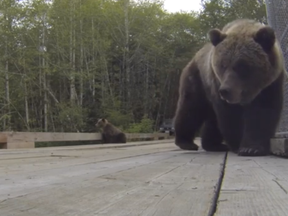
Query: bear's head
x: 101, y: 123
x: 244, y: 63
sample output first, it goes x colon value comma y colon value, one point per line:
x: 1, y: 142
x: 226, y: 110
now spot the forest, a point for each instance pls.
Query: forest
x: 66, y: 63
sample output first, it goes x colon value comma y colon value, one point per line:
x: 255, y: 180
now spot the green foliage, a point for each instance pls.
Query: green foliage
x: 216, y: 13
x: 112, y: 111
x: 119, y: 119
x: 144, y: 126
x: 71, y: 117
x: 66, y: 63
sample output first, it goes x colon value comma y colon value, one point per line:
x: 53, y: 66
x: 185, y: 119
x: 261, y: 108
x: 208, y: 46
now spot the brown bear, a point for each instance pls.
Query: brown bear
x: 110, y: 134
x: 234, y: 86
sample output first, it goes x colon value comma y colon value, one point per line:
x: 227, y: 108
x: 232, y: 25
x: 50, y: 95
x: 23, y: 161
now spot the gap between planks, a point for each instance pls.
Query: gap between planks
x: 214, y: 204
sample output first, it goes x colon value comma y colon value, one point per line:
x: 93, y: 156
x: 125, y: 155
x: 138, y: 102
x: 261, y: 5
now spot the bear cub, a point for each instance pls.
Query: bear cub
x: 233, y: 86
x: 110, y: 134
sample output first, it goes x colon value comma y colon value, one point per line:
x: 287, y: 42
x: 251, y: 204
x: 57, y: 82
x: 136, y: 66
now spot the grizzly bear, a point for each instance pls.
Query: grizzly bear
x: 110, y: 134
x: 233, y: 89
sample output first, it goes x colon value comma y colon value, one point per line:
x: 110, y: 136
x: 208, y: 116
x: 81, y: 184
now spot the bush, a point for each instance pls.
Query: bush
x: 71, y: 117
x: 145, y: 126
x: 113, y: 113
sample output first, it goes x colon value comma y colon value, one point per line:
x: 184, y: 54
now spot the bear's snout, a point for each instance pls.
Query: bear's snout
x: 225, y: 93
x: 230, y: 95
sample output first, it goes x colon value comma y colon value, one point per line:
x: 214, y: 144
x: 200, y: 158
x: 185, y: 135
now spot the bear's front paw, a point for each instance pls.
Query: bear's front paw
x: 253, y: 151
x: 187, y: 146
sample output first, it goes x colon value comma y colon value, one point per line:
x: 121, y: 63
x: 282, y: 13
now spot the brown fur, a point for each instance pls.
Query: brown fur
x: 234, y: 85
x: 110, y: 133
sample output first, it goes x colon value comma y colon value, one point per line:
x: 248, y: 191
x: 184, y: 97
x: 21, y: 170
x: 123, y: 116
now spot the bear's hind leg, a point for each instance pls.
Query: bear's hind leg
x: 211, y: 137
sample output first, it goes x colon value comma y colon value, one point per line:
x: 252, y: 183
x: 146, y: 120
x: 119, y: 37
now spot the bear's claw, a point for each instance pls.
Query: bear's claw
x: 252, y: 151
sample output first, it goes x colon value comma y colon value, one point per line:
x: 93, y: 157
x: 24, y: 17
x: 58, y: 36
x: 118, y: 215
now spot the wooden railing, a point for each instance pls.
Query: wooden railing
x: 14, y: 140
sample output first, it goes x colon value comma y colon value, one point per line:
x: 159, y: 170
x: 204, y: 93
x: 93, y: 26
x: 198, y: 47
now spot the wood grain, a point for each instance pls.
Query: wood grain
x: 254, y: 186
x: 46, y: 136
x: 145, y: 180
x: 34, y: 160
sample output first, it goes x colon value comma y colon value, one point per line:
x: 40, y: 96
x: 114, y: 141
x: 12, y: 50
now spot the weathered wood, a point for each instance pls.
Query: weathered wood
x: 58, y: 155
x: 82, y: 147
x: 19, y: 145
x: 12, y: 140
x: 279, y: 146
x: 254, y: 186
x: 153, y: 136
x: 145, y: 180
x: 3, y: 138
x: 46, y: 136
x: 3, y: 141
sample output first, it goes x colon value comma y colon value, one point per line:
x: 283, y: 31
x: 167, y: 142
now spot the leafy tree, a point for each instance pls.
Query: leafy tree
x: 66, y: 63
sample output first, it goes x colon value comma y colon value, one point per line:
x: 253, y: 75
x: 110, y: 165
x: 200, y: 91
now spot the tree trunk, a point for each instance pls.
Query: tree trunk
x: 126, y: 54
x: 146, y: 109
x: 81, y: 65
x: 26, y: 102
x: 7, y: 121
x: 7, y: 125
x: 93, y: 54
x: 72, y: 54
x: 43, y: 65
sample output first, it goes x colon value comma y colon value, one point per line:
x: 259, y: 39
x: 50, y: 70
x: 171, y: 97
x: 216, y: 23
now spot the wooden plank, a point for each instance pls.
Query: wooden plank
x: 158, y: 183
x: 138, y: 135
x: 84, y: 147
x: 19, y: 161
x: 3, y: 141
x: 254, y: 186
x: 187, y: 188
x: 36, y: 172
x: 24, y: 162
x: 146, y: 135
x: 18, y: 137
x: 279, y: 146
x: 3, y: 137
x: 20, y: 145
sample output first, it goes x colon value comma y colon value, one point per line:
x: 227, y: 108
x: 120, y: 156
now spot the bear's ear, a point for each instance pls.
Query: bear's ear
x: 103, y: 119
x: 216, y: 36
x: 266, y: 38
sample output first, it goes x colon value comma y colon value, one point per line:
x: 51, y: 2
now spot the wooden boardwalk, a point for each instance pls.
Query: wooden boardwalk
x: 151, y: 179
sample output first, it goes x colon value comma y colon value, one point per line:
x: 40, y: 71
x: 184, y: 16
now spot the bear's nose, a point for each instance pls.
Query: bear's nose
x: 224, y: 93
